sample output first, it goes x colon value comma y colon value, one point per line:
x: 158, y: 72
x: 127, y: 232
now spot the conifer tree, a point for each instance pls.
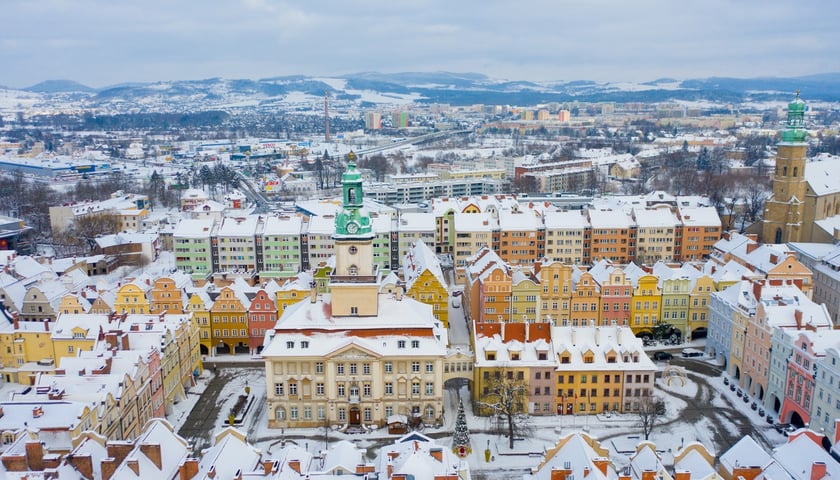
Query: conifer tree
x: 462, y: 434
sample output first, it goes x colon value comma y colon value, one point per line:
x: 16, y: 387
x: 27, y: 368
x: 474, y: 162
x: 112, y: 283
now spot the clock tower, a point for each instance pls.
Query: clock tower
x: 354, y: 283
x: 783, y: 211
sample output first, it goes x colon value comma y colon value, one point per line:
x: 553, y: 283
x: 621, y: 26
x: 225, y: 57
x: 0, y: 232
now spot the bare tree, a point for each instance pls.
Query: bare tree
x: 506, y: 397
x: 650, y: 411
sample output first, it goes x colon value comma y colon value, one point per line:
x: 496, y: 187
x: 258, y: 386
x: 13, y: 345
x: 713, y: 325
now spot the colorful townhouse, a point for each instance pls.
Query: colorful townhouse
x: 613, y: 235
x: 809, y: 347
x: 280, y: 246
x: 229, y: 320
x: 585, y: 300
x: 616, y: 293
x: 555, y: 280
x: 521, y: 237
x: 518, y: 354
x: 487, y: 294
x: 167, y: 296
x: 424, y: 280
x: 645, y: 305
x: 193, y: 247
x: 567, y: 238
x: 524, y: 297
x: 262, y: 315
x: 780, y: 306
x: 131, y: 298
x: 600, y: 369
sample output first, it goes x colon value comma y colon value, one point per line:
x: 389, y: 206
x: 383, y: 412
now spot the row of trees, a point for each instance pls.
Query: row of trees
x: 508, y: 397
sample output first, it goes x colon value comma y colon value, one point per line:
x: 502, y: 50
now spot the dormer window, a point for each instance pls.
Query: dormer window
x: 514, y: 356
x: 354, y: 270
x: 353, y: 250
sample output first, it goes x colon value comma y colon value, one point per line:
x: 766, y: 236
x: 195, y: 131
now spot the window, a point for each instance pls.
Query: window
x: 322, y: 413
x: 353, y: 369
x: 430, y: 389
x: 319, y: 389
x: 340, y: 390
x: 389, y: 388
x: 366, y: 390
x: 304, y: 344
x: 319, y: 367
x: 430, y: 367
x: 366, y: 369
x: 415, y: 344
x: 278, y: 389
x: 415, y: 367
x: 415, y: 388
x: 290, y: 344
x: 389, y: 367
x: 293, y: 413
x: 292, y: 388
x: 400, y: 343
x: 342, y: 414
x: 280, y: 413
x: 340, y: 368
x: 368, y: 415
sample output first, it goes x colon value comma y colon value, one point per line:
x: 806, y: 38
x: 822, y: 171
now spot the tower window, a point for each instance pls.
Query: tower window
x: 795, y: 171
x: 354, y: 270
x: 784, y: 171
x: 353, y: 250
x: 354, y: 310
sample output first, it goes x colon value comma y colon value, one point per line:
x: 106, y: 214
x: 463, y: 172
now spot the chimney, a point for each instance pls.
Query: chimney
x: 35, y: 456
x: 648, y: 475
x: 399, y: 292
x: 797, y: 315
x: 295, y: 465
x: 437, y: 454
x: 585, y: 471
x: 134, y: 465
x: 212, y: 472
x: 83, y: 464
x: 774, y: 259
x: 38, y: 412
x: 46, y: 325
x: 757, y: 286
x: 818, y: 471
x: 751, y: 247
x: 152, y: 452
x: 238, y: 474
x: 682, y: 475
x: 313, y: 292
x: 188, y: 469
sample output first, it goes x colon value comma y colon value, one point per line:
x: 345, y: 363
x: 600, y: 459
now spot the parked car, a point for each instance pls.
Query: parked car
x: 692, y: 352
x: 781, y: 427
x: 457, y: 293
x: 770, y: 419
x: 760, y: 412
x: 662, y: 356
x: 739, y: 393
x: 746, y: 398
x: 732, y: 386
x: 726, y: 380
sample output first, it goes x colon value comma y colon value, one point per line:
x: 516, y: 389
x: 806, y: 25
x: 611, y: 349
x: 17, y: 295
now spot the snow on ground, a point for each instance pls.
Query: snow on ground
x: 182, y: 409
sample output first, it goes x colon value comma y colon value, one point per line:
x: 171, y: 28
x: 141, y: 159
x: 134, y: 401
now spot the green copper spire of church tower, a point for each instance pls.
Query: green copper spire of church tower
x: 353, y: 221
x: 794, y: 131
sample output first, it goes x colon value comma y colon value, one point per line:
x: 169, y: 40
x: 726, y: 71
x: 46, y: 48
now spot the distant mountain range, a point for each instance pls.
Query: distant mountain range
x: 370, y: 88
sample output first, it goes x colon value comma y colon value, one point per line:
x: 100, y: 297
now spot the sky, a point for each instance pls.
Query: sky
x: 105, y: 42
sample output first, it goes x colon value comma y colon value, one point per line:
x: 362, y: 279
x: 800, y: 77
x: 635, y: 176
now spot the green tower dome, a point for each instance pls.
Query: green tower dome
x: 353, y: 221
x: 794, y: 131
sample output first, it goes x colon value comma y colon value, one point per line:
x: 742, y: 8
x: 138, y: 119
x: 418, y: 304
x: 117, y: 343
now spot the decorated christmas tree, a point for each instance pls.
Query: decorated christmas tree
x: 461, y: 439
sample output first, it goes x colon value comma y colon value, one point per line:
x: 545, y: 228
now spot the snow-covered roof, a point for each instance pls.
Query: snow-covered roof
x: 418, y: 259
x: 822, y: 173
x: 609, y: 219
x: 571, y: 220
x: 194, y: 228
x: 158, y: 438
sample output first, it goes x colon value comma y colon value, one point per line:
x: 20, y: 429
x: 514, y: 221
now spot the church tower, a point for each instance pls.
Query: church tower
x: 783, y: 212
x: 354, y: 283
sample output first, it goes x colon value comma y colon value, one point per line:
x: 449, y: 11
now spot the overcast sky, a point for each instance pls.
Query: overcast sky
x: 103, y: 42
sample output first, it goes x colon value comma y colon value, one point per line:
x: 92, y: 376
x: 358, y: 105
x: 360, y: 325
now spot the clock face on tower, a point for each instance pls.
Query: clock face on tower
x: 352, y: 227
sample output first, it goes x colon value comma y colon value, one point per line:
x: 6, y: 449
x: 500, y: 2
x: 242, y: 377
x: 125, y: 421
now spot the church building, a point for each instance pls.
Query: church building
x: 805, y: 204
x: 355, y: 358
